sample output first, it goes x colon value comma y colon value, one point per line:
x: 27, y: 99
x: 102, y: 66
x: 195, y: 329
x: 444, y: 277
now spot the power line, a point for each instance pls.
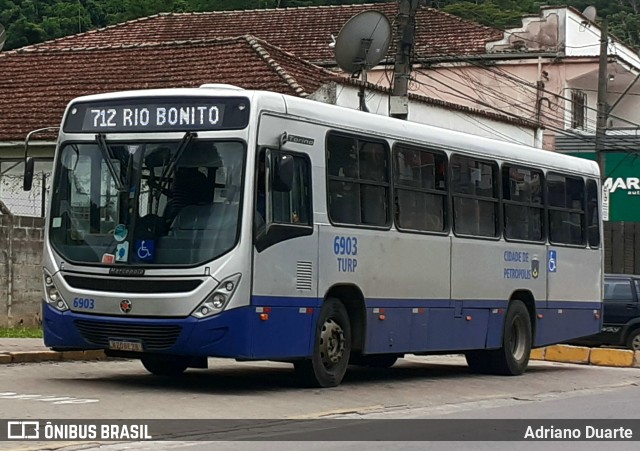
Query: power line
x: 525, y: 82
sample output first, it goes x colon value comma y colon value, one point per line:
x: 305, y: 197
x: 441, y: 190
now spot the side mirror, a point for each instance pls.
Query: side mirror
x: 29, y: 165
x: 283, y: 173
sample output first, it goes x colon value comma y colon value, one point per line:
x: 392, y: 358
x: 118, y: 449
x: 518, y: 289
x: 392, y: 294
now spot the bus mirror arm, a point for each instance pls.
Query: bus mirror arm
x: 29, y: 162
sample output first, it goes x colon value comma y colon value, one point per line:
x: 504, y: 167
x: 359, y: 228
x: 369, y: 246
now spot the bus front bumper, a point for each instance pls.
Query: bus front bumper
x: 222, y: 335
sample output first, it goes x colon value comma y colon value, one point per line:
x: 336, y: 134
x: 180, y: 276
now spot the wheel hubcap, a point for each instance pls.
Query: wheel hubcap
x: 635, y: 344
x: 517, y: 339
x: 332, y: 343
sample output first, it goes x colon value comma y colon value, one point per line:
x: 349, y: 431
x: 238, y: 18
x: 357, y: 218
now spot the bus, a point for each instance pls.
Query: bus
x: 220, y: 222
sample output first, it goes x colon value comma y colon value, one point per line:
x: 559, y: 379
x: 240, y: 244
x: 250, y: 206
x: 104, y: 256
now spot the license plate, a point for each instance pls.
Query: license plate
x: 126, y: 345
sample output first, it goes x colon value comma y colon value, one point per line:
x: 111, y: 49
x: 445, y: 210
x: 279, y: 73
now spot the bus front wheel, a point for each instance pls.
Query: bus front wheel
x: 332, y: 348
x: 165, y: 365
x: 513, y: 357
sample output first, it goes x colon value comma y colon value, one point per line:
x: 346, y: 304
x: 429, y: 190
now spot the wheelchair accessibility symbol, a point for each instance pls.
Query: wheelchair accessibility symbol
x: 552, y: 262
x: 145, y: 250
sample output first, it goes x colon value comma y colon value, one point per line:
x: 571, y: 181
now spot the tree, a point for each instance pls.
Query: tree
x: 31, y: 21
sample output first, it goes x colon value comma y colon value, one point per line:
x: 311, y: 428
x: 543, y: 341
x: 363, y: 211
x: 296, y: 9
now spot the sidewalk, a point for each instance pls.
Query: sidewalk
x: 32, y: 350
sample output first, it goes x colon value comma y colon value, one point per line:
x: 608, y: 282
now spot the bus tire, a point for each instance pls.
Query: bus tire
x: 513, y: 357
x: 165, y: 365
x: 331, y: 350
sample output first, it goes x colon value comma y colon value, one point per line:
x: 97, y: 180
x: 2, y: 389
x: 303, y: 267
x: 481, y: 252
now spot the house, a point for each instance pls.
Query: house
x: 545, y: 71
x: 187, y: 50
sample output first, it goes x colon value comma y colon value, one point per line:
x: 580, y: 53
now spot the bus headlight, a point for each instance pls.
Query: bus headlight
x: 219, y: 298
x: 52, y: 295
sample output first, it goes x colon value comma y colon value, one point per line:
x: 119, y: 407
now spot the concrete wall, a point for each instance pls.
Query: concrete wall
x: 21, y: 240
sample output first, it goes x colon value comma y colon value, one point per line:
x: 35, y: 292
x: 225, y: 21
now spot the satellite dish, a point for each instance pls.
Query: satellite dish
x: 3, y: 36
x: 590, y: 13
x: 363, y: 41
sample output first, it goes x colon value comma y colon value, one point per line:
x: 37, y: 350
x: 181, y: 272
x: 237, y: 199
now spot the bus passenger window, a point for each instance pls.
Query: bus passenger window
x: 420, y: 182
x: 357, y: 181
x: 566, y: 209
x: 475, y: 196
x: 523, y: 203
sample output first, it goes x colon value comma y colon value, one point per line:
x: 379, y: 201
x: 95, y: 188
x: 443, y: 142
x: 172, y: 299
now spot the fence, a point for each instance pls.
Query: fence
x: 622, y: 247
x: 21, y: 240
x: 18, y: 201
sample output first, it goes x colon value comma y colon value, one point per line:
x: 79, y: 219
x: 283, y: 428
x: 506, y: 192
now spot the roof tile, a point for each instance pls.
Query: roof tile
x: 37, y: 84
x: 304, y: 31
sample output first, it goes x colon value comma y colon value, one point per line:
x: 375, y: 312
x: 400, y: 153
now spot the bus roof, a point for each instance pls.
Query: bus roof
x: 378, y: 125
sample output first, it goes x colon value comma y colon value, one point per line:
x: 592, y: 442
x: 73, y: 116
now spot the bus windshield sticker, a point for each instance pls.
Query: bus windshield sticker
x: 553, y: 261
x: 122, y: 252
x: 56, y: 222
x: 120, y: 232
x: 346, y: 249
x: 145, y: 250
x: 108, y: 259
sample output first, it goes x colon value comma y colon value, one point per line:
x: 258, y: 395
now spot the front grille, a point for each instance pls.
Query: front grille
x: 153, y: 337
x: 128, y: 285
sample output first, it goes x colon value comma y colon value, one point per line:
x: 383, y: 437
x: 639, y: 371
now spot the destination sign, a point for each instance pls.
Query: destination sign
x: 154, y: 115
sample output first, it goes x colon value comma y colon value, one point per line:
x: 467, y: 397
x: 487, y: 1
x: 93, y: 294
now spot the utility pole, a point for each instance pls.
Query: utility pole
x: 603, y: 112
x: 405, y: 34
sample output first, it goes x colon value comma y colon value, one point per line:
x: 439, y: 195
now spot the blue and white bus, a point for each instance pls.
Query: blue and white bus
x: 190, y: 223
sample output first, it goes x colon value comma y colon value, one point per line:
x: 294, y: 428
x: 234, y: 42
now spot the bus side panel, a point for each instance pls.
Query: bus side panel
x: 390, y: 330
x: 451, y: 331
x: 561, y: 324
x: 573, y: 298
x: 395, y: 271
x: 491, y: 271
x: 286, y: 333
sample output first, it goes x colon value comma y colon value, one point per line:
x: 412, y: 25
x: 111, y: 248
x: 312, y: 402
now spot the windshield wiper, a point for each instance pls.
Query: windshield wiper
x: 108, y: 158
x: 184, y: 143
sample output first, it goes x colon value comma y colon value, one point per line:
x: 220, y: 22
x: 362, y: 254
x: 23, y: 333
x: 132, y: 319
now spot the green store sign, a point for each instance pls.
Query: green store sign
x: 623, y: 181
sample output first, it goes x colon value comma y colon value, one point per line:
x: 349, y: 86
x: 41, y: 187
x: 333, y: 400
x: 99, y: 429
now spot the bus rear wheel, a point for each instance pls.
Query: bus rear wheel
x: 513, y: 357
x: 331, y: 350
x: 165, y: 365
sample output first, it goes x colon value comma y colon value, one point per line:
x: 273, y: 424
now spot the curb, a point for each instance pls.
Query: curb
x: 50, y: 356
x: 610, y: 357
x: 623, y: 358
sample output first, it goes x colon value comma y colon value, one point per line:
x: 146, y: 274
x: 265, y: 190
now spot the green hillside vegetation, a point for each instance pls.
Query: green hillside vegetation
x: 32, y: 21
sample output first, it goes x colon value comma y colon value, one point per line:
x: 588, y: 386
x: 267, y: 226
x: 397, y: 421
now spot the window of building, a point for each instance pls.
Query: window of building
x: 358, y: 181
x: 523, y: 203
x: 578, y: 109
x: 474, y: 189
x: 566, y: 197
x: 420, y: 189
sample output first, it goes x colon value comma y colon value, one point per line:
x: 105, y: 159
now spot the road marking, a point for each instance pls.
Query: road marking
x: 48, y: 398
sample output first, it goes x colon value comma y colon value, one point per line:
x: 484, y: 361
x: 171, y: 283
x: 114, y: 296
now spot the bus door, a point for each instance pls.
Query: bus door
x: 285, y: 260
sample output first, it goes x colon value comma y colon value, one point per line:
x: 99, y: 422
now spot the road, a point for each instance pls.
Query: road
x: 416, y: 387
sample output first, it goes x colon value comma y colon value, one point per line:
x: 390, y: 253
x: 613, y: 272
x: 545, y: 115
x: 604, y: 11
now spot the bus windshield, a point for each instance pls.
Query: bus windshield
x: 146, y: 203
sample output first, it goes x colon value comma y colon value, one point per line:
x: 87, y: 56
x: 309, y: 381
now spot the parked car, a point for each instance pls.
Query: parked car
x: 621, y: 320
